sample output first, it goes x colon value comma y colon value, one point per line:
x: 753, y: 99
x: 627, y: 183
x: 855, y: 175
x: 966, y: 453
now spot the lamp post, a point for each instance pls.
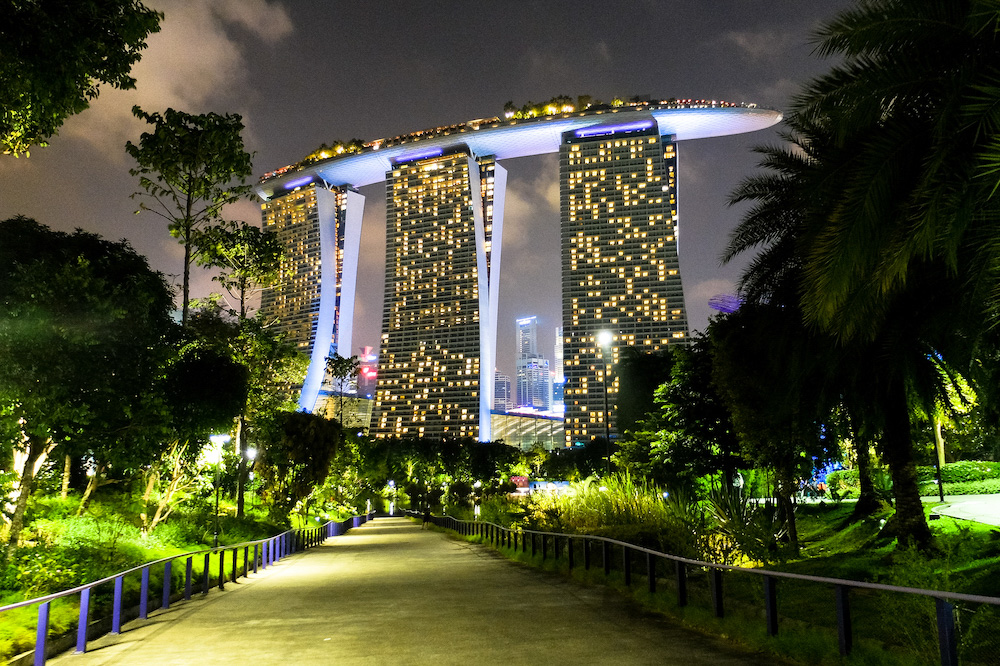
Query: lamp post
x: 251, y: 457
x: 215, y: 457
x: 604, y: 339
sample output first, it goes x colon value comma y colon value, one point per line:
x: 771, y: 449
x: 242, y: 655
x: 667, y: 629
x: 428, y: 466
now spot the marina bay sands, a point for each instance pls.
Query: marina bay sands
x: 445, y: 194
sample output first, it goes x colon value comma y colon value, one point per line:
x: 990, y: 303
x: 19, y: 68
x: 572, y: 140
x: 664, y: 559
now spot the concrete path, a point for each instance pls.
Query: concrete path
x: 389, y: 592
x: 978, y: 508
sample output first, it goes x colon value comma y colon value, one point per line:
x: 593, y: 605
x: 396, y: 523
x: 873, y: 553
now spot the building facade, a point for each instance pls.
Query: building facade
x: 320, y: 229
x: 618, y: 203
x: 437, y: 356
x: 502, y: 399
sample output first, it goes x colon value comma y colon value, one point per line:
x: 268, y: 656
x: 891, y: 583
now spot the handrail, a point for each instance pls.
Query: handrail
x: 947, y: 635
x: 266, y: 552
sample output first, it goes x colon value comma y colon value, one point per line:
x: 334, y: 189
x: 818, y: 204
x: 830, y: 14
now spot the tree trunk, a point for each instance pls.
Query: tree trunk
x: 67, y: 468
x: 93, y: 483
x: 939, y: 447
x: 784, y: 491
x: 908, y: 524
x: 241, y: 473
x: 37, y: 449
x: 868, y: 503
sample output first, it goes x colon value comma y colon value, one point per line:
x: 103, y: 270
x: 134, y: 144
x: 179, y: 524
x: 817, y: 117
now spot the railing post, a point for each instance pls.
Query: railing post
x: 947, y: 638
x: 651, y: 573
x: 627, y: 564
x: 144, y: 594
x: 206, y: 572
x: 532, y: 544
x: 41, y: 633
x: 586, y: 554
x: 771, y: 605
x: 167, y: 572
x: 255, y: 555
x: 116, y: 609
x: 716, y: 585
x: 81, y: 627
x: 845, y: 636
x: 222, y: 569
x: 236, y: 556
x: 545, y: 548
x: 682, y: 584
x: 246, y: 561
x: 187, y: 578
x: 606, y: 554
x: 569, y: 552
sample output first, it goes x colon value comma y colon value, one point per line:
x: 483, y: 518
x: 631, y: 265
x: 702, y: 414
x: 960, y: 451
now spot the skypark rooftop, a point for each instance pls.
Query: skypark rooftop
x: 508, y: 139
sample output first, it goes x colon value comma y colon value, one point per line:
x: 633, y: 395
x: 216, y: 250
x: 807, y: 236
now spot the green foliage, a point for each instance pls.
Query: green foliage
x: 961, y: 471
x: 54, y: 56
x: 187, y: 167
x: 750, y: 529
x: 250, y: 259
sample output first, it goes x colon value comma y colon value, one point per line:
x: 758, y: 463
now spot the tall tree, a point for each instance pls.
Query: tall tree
x: 189, y: 167
x: 83, y: 322
x: 249, y: 259
x: 55, y: 54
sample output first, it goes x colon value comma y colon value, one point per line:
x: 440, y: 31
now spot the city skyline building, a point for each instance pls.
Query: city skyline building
x: 444, y: 214
x: 619, y: 228
x: 438, y: 343
x: 320, y: 230
x: 502, y: 399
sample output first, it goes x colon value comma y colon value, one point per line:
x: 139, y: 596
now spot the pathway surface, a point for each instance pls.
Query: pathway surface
x: 979, y: 508
x: 389, y: 592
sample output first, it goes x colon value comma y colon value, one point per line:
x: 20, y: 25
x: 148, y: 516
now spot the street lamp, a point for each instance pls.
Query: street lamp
x: 604, y: 339
x: 251, y: 457
x: 215, y: 458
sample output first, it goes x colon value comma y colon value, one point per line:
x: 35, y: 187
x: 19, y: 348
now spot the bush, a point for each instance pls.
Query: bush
x: 962, y: 471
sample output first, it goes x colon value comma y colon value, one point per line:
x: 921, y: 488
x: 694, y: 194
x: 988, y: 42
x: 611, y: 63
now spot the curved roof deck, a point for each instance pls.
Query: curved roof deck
x: 507, y: 139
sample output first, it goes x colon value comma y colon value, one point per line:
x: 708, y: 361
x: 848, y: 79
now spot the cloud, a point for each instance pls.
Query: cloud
x: 192, y: 62
x: 765, y: 45
x: 698, y: 294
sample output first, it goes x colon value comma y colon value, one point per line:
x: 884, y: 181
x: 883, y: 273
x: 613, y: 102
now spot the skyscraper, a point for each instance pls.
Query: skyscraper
x: 618, y: 197
x: 439, y: 310
x: 320, y: 229
x: 502, y: 401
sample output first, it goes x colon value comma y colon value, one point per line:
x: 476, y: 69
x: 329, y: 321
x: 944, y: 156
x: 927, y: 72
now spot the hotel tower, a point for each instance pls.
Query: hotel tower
x: 620, y: 274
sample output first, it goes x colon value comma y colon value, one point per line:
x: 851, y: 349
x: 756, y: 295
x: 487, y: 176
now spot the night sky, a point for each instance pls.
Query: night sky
x: 306, y: 73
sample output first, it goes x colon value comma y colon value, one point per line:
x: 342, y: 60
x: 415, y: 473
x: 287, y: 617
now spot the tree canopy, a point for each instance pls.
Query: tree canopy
x: 55, y: 54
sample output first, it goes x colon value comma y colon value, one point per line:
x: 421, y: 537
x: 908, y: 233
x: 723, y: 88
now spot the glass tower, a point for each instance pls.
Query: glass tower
x: 618, y: 203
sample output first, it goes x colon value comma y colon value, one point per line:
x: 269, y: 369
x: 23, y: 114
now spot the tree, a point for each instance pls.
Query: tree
x: 639, y: 375
x: 54, y: 54
x: 342, y: 369
x: 250, y: 259
x: 694, y: 431
x: 83, y: 329
x: 187, y: 167
x: 298, y: 450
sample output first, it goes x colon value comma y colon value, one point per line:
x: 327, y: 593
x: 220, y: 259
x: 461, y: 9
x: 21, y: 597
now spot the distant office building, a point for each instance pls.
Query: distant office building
x: 502, y: 399
x: 439, y: 310
x: 527, y: 337
x: 534, y: 383
x: 618, y: 197
x: 320, y: 229
x: 534, y: 379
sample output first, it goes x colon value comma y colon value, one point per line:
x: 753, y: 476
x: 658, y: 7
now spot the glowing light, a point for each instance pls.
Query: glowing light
x: 419, y: 155
x: 602, y: 130
x: 298, y: 182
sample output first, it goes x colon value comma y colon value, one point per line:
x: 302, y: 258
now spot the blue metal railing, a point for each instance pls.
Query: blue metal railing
x: 569, y: 544
x: 266, y: 552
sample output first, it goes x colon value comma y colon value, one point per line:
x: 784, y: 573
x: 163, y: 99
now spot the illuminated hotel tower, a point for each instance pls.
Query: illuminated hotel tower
x: 320, y: 230
x: 618, y: 202
x: 444, y: 214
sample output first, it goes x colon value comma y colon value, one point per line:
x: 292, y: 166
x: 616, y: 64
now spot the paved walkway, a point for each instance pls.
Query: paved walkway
x: 978, y: 508
x: 389, y: 592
